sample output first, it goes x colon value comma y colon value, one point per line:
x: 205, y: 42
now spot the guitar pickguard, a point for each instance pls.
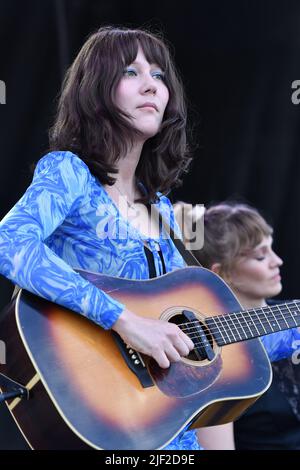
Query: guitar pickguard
x: 182, y: 379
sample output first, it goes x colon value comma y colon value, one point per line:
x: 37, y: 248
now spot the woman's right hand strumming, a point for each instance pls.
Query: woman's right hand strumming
x: 163, y: 341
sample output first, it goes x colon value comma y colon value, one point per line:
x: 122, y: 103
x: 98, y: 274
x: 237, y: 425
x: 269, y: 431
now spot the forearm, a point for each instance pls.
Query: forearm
x: 59, y: 185
x: 30, y: 264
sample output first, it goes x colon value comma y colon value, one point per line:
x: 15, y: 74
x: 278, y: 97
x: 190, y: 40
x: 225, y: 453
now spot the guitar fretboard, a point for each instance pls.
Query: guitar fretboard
x: 239, y: 326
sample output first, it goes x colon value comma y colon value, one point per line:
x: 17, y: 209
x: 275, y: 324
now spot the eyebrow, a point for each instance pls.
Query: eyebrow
x: 254, y: 251
x: 263, y: 249
x: 140, y: 63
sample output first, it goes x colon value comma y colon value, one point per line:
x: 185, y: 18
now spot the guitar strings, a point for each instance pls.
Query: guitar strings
x: 235, y: 340
x: 263, y: 315
x: 231, y: 338
x: 241, y: 326
x: 265, y: 310
x: 226, y: 328
x: 242, y: 323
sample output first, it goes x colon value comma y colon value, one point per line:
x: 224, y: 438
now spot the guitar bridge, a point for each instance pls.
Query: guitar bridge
x: 134, y: 361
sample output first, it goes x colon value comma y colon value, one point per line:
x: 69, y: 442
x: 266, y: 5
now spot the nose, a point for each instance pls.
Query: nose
x: 149, y: 86
x: 275, y: 260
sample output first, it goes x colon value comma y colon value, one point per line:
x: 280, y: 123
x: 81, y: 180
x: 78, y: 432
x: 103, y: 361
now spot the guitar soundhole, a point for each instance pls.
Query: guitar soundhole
x: 198, y: 354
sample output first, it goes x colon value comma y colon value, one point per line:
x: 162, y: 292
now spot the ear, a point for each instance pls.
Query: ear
x: 216, y: 268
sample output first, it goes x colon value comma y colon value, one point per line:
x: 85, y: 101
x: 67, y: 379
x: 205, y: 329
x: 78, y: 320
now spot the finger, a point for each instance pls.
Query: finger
x: 162, y: 360
x: 181, y: 346
x: 187, y: 340
x: 172, y: 354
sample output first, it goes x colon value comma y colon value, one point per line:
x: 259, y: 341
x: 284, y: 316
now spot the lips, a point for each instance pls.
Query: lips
x: 149, y: 105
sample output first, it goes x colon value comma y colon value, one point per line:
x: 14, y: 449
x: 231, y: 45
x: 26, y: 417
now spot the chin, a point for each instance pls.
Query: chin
x: 275, y: 290
x: 149, y: 132
x: 148, y: 128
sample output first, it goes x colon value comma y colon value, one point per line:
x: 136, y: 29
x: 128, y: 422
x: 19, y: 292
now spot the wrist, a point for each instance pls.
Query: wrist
x: 122, y: 320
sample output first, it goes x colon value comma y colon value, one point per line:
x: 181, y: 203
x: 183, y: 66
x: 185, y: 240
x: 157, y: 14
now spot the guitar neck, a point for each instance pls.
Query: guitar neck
x: 239, y: 326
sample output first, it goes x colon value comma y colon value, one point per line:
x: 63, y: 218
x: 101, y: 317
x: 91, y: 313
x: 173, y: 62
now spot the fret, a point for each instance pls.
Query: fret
x: 246, y: 329
x: 251, y: 323
x: 219, y: 320
x: 229, y: 328
x: 237, y: 324
x: 259, y: 321
x: 272, y: 322
x: 215, y: 330
x: 285, y: 319
x: 267, y: 325
x: 275, y: 322
x: 295, y: 313
x: 291, y: 320
x: 285, y: 323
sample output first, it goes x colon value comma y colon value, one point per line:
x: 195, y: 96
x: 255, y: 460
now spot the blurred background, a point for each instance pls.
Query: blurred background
x: 237, y: 59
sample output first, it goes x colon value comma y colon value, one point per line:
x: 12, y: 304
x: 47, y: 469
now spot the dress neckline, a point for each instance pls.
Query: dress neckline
x: 130, y: 226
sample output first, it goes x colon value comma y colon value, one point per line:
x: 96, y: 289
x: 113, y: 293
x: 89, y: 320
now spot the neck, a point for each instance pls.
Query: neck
x: 249, y: 302
x: 127, y: 167
x: 253, y: 323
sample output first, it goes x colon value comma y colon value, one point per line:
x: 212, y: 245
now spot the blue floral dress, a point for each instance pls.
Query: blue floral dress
x: 66, y: 221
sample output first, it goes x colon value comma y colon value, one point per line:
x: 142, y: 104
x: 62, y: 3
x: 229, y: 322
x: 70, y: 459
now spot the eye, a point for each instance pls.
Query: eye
x: 158, y: 75
x: 260, y: 258
x: 130, y: 72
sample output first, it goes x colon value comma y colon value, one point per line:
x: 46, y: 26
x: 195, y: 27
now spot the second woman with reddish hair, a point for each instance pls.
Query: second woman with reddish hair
x: 238, y: 247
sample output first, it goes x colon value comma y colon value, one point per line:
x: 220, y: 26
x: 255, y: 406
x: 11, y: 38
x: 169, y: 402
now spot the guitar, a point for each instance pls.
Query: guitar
x: 88, y: 389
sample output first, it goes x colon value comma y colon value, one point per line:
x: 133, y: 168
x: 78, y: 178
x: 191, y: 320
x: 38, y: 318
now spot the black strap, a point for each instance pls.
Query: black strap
x: 187, y: 255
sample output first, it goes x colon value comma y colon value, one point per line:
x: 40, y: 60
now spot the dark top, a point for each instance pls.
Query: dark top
x: 273, y: 422
x: 151, y: 265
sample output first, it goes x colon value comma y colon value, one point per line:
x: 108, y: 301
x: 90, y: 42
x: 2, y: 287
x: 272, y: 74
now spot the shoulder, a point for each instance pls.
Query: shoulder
x: 166, y: 208
x: 61, y: 161
x: 163, y: 202
x: 62, y: 171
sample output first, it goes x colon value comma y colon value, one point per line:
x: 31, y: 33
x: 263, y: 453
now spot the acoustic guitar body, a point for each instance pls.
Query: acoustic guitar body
x: 88, y: 390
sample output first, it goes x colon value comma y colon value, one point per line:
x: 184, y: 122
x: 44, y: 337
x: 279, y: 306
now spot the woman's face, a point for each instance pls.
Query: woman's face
x: 143, y: 95
x: 255, y: 276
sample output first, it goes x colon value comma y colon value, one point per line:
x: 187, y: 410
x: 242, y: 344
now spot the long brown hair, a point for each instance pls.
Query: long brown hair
x: 89, y: 124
